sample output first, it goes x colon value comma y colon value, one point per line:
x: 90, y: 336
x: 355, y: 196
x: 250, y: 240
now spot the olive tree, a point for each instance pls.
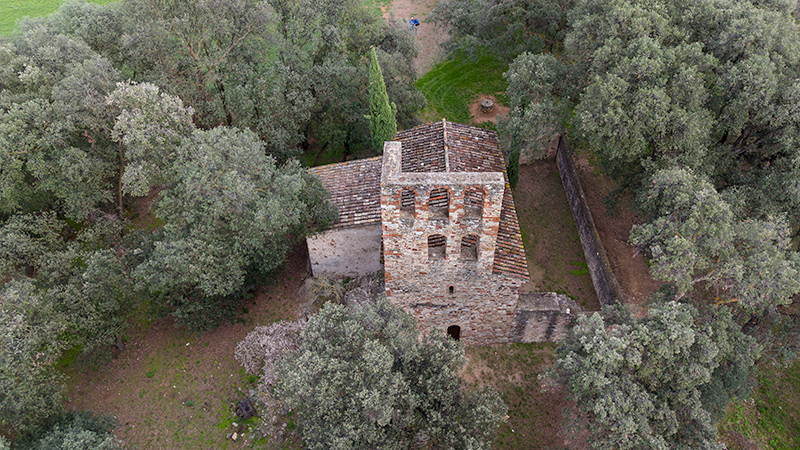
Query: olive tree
x: 507, y: 28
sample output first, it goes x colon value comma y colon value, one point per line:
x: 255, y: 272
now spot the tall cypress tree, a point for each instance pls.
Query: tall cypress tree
x: 382, y: 122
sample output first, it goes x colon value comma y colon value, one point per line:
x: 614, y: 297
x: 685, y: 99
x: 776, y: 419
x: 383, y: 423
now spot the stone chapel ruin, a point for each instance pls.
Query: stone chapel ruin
x: 437, y: 215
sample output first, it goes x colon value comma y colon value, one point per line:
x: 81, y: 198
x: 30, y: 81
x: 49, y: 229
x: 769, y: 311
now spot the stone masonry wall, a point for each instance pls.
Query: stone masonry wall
x: 605, y: 283
x: 481, y: 303
x: 346, y: 252
x: 483, y: 307
x: 544, y: 317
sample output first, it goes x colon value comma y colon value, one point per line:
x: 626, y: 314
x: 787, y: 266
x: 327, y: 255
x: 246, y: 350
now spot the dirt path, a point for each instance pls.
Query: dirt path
x: 429, y: 36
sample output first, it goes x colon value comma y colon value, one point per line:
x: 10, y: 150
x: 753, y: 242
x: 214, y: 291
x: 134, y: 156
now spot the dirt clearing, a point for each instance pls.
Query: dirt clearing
x: 429, y: 36
x: 478, y: 116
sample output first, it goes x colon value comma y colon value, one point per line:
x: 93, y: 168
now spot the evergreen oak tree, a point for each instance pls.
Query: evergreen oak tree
x: 362, y: 378
x: 710, y: 85
x: 230, y: 215
x: 695, y: 235
x: 382, y: 123
x: 657, y: 382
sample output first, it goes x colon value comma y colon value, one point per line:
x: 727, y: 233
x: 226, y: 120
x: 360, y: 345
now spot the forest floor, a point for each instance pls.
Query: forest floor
x: 613, y: 223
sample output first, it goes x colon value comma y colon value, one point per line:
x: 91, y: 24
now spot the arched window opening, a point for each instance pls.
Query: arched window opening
x: 454, y: 331
x: 439, y: 203
x: 473, y: 203
x: 469, y: 247
x: 408, y: 202
x: 437, y: 246
x: 451, y: 290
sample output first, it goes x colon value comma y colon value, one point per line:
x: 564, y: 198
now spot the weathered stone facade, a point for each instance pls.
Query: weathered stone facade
x: 453, y: 257
x: 457, y: 288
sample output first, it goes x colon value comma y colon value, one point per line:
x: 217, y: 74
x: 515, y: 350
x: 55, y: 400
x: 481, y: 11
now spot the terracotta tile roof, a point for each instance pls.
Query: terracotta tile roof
x: 509, y: 255
x: 423, y: 148
x: 355, y: 185
x: 473, y: 149
x: 433, y: 147
x: 355, y: 188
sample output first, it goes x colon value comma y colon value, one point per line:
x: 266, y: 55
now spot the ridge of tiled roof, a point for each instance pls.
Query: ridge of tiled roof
x: 450, y: 147
x: 355, y: 188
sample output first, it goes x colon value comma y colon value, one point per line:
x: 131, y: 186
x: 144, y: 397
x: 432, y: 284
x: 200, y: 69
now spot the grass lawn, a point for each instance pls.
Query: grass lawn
x: 770, y: 419
x: 13, y: 10
x: 453, y: 84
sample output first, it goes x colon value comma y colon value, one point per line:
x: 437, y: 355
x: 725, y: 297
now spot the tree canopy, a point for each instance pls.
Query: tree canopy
x: 657, y: 382
x: 230, y: 215
x: 362, y: 378
x: 292, y: 72
x: 648, y: 84
x: 219, y: 96
x: 697, y: 103
x: 695, y: 235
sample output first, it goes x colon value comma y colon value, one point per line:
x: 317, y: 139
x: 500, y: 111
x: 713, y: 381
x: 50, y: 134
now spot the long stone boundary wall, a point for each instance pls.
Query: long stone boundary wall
x: 605, y: 283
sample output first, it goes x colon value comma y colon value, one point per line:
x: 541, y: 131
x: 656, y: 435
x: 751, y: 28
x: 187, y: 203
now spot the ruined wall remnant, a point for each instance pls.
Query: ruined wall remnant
x: 544, y: 317
x: 605, y: 283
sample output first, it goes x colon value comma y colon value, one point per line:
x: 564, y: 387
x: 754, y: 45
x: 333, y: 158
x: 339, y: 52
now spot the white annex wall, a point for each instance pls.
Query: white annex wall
x: 347, y: 252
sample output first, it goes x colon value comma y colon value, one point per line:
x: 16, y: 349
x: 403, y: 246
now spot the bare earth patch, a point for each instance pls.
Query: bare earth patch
x: 140, y: 210
x: 535, y: 417
x: 173, y: 389
x: 478, y: 116
x: 614, y: 227
x: 429, y: 36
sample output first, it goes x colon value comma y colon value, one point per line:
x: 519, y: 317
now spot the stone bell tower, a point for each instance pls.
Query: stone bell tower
x: 441, y: 208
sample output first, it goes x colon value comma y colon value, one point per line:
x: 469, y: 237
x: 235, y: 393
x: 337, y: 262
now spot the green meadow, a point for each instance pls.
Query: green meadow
x: 13, y: 10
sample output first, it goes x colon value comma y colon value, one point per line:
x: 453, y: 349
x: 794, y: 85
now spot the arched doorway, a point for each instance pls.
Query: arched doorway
x: 454, y: 331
